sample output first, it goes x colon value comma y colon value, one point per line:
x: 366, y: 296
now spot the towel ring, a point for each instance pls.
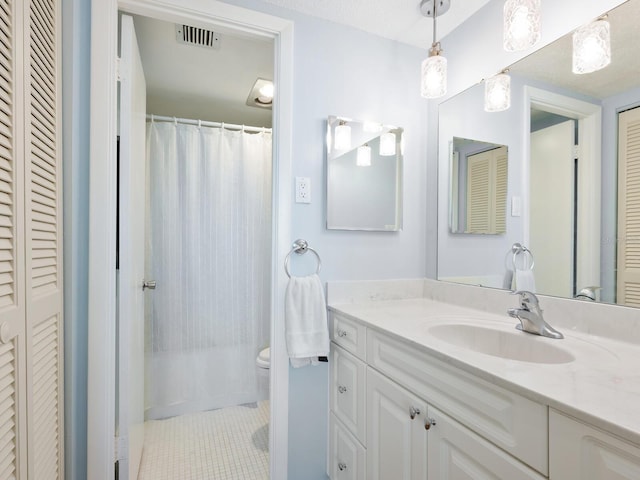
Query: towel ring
x: 301, y: 247
x: 517, y: 249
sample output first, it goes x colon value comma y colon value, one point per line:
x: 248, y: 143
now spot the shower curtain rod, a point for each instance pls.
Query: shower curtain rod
x: 229, y: 126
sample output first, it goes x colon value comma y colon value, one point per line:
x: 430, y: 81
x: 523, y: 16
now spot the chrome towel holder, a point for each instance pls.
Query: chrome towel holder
x: 517, y: 249
x: 301, y: 247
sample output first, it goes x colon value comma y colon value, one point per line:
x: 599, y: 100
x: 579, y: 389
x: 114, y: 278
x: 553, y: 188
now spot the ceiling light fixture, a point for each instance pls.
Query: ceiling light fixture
x: 388, y: 144
x: 592, y: 47
x: 497, y: 92
x: 342, y: 136
x: 521, y: 24
x: 363, y: 157
x: 261, y: 94
x: 434, y: 68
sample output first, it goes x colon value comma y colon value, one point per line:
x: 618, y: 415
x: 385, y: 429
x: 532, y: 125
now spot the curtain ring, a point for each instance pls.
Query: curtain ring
x: 175, y: 121
x: 222, y: 125
x: 152, y: 118
x: 199, y: 123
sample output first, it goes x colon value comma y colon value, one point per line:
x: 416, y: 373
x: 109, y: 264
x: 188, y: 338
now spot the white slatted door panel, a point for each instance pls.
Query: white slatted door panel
x: 43, y: 239
x: 13, y: 418
x: 500, y: 200
x: 478, y: 197
x: 629, y: 208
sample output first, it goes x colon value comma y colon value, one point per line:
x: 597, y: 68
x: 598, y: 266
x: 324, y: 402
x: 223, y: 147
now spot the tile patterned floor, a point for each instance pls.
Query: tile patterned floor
x: 227, y: 444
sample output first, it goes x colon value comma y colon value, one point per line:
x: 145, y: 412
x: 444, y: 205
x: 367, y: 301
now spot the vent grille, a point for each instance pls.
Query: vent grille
x: 197, y: 36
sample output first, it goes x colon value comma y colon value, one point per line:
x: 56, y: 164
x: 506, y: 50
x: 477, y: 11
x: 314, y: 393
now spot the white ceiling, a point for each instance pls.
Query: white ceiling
x: 399, y: 20
x: 195, y: 82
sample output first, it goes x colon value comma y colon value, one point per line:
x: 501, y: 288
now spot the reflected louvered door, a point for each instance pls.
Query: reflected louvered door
x: 500, y: 192
x: 478, y: 193
x: 13, y: 398
x: 43, y: 172
x: 628, y: 285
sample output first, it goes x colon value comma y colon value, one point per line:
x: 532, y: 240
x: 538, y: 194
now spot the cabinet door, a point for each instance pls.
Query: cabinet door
x: 580, y: 452
x: 396, y: 442
x: 346, y: 455
x: 348, y: 390
x: 456, y: 453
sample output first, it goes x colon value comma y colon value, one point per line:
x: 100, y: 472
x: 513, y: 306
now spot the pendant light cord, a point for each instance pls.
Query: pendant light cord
x: 435, y: 10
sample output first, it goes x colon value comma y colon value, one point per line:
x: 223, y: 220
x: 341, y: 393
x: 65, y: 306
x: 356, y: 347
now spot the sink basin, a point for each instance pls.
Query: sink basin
x: 511, y: 345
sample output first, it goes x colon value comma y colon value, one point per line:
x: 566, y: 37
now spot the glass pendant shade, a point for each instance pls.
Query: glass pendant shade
x: 434, y: 77
x: 388, y: 144
x: 521, y: 24
x: 497, y: 93
x: 592, y: 47
x: 363, y: 158
x: 342, y: 137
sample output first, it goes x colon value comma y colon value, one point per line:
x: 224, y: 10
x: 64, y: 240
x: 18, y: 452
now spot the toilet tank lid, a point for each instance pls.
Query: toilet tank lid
x: 265, y: 355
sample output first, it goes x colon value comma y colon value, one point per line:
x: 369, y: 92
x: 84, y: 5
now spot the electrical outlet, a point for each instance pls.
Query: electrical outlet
x: 303, y: 190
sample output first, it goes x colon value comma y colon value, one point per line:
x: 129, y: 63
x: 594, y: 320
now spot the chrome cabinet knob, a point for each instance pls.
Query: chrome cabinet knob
x: 430, y: 422
x: 342, y: 466
x: 342, y: 333
x: 342, y: 389
x: 150, y: 284
x: 413, y: 411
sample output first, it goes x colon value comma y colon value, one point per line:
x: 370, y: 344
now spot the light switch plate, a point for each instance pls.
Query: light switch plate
x: 516, y: 206
x: 303, y: 190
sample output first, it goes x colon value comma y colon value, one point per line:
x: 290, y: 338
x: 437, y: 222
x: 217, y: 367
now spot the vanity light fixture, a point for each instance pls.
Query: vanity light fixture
x: 592, y: 47
x: 388, y: 144
x: 342, y: 136
x: 434, y: 68
x: 363, y: 157
x: 521, y: 24
x: 497, y: 92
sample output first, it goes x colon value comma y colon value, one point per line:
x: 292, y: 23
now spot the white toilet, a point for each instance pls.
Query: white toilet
x: 263, y: 362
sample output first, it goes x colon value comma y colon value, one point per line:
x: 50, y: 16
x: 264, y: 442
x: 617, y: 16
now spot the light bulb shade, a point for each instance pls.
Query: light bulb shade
x: 521, y: 24
x: 342, y: 137
x: 434, y: 77
x: 592, y: 47
x: 497, y: 93
x: 388, y: 144
x: 363, y: 157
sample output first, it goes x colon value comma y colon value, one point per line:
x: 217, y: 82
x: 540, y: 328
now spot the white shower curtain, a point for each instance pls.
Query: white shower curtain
x: 209, y: 249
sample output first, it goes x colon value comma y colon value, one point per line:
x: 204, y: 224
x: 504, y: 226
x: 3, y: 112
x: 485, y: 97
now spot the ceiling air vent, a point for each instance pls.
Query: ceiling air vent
x: 197, y: 36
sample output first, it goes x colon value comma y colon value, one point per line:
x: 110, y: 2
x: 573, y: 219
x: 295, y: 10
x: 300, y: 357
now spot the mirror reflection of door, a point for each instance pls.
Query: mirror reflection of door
x: 628, y: 276
x: 552, y: 205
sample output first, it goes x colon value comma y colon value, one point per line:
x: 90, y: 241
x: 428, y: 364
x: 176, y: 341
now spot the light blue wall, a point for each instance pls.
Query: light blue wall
x: 75, y: 111
x: 346, y: 72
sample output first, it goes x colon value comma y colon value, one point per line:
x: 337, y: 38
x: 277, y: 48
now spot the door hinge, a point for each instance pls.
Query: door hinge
x: 576, y: 151
x: 120, y: 448
x: 118, y: 74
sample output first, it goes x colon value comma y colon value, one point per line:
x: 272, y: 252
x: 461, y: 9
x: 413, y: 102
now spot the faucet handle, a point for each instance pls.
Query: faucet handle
x: 527, y: 299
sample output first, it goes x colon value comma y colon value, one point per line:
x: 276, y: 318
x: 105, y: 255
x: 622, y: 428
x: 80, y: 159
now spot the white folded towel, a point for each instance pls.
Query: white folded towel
x: 524, y: 280
x: 305, y: 315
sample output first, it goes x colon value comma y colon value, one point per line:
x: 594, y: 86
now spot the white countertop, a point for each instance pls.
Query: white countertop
x: 601, y: 386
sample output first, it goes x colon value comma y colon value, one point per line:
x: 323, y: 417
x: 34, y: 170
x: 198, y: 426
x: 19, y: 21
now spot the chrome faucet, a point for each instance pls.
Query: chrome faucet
x: 530, y: 316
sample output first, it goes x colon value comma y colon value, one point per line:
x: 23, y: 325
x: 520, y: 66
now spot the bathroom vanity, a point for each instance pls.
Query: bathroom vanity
x: 421, y: 387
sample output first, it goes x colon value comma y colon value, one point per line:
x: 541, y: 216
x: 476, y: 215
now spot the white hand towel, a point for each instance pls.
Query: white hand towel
x: 305, y: 315
x: 525, y: 280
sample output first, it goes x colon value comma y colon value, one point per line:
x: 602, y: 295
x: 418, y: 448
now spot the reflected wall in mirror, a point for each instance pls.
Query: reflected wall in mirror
x: 571, y: 186
x: 364, y: 175
x: 478, y: 189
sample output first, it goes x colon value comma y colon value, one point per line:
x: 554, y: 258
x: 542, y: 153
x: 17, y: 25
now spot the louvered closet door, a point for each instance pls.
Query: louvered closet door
x: 629, y: 208
x: 479, y: 172
x: 13, y: 425
x: 500, y: 192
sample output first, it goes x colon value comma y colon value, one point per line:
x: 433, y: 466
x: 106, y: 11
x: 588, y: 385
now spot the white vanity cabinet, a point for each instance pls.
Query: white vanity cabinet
x: 416, y: 418
x: 581, y: 452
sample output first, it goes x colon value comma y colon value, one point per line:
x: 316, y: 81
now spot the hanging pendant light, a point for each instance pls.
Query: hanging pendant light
x: 521, y: 24
x: 342, y: 136
x: 434, y: 68
x: 592, y: 47
x: 387, y: 144
x: 497, y: 93
x: 363, y: 157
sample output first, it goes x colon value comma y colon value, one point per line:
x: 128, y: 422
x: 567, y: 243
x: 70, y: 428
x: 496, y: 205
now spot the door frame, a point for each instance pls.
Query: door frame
x: 101, y: 380
x: 589, y: 117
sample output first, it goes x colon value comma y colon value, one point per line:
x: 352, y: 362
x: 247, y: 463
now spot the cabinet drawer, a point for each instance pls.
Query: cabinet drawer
x: 350, y: 335
x: 347, y: 459
x: 580, y: 452
x: 347, y: 387
x: 455, y: 452
x: 512, y: 422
